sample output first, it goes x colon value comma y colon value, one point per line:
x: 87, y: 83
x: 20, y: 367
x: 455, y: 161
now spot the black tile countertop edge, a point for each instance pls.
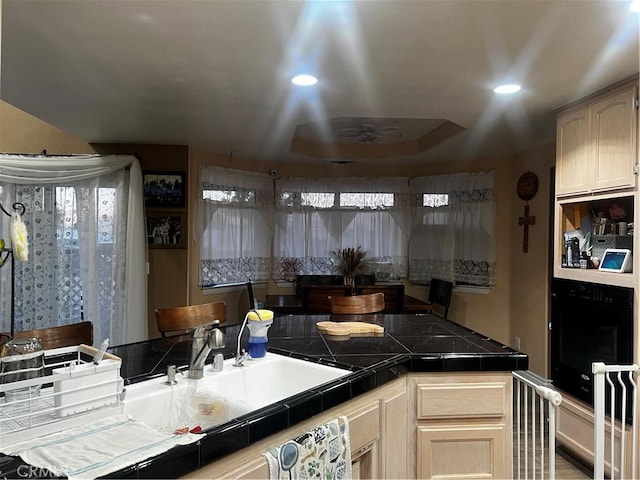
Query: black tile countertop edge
x: 244, y: 431
x: 370, y: 370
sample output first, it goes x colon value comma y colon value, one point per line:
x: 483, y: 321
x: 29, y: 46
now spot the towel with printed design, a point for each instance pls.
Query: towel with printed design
x: 321, y: 453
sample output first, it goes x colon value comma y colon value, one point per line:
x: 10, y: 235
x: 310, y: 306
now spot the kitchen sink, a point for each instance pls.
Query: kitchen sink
x: 221, y: 396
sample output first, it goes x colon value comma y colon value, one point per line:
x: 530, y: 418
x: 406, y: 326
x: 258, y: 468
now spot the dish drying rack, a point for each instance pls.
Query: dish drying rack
x: 73, y: 391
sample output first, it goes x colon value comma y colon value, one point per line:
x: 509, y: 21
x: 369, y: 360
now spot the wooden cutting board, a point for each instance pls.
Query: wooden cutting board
x: 346, y: 329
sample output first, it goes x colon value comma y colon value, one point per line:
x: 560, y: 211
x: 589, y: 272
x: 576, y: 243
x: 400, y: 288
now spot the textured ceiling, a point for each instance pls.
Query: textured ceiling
x: 214, y: 74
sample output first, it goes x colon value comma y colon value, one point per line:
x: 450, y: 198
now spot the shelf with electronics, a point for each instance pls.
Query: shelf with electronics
x: 592, y: 225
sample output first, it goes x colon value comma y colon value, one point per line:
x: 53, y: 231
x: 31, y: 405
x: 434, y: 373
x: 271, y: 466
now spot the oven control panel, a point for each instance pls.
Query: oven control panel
x: 594, y: 293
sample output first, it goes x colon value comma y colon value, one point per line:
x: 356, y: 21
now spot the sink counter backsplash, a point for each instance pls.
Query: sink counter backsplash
x: 411, y: 343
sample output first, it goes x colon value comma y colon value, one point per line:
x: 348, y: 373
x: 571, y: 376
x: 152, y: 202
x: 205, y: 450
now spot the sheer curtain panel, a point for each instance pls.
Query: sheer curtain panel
x: 87, y: 260
x: 315, y: 217
x: 453, y: 235
x: 234, y: 226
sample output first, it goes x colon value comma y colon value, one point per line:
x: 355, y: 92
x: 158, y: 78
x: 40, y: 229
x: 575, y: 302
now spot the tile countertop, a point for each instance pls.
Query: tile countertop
x: 411, y: 343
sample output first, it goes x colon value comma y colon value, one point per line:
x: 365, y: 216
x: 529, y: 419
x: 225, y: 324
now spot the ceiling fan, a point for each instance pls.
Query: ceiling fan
x: 366, y: 130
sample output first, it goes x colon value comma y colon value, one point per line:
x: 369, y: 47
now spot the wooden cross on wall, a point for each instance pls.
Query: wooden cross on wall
x: 527, y: 188
x: 525, y: 221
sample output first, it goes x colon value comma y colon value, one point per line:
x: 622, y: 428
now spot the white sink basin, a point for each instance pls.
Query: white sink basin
x: 221, y: 396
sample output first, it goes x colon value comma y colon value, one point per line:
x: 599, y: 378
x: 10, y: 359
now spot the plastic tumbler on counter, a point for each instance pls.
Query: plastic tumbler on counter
x: 258, y: 322
x: 22, y: 359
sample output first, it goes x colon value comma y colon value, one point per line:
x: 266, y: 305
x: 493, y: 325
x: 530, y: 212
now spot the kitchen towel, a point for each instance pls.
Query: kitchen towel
x: 91, y: 451
x: 323, y: 452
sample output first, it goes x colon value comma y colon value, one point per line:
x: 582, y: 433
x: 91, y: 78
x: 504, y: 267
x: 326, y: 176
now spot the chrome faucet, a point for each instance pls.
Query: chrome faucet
x: 204, y: 338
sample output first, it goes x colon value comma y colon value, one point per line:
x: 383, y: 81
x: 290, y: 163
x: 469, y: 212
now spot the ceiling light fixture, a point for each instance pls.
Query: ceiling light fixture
x: 304, y: 80
x: 635, y: 6
x: 508, y: 88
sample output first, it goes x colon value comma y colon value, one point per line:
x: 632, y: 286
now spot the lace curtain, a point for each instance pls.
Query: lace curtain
x: 87, y: 242
x: 315, y: 217
x: 234, y: 225
x: 453, y: 235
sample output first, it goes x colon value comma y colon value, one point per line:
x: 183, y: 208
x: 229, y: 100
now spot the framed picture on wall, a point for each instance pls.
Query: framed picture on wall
x: 163, y: 189
x: 165, y: 230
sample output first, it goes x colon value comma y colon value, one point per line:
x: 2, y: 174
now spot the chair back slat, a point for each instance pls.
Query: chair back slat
x: 184, y: 318
x: 358, y: 304
x: 62, y: 336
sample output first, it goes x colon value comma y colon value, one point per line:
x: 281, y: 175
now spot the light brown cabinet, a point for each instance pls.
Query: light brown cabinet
x: 377, y: 434
x: 597, y: 143
x: 461, y: 425
x: 597, y: 154
x: 574, y: 431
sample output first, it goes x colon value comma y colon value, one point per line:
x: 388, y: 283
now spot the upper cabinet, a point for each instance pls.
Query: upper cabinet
x: 573, y: 139
x: 597, y: 143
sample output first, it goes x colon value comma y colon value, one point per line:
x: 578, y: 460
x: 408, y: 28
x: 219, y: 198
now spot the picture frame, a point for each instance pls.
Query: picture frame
x: 164, y: 189
x: 165, y: 230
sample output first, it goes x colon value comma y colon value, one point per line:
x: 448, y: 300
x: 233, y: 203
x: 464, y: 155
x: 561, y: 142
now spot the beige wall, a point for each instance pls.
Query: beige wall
x: 24, y: 133
x: 530, y: 271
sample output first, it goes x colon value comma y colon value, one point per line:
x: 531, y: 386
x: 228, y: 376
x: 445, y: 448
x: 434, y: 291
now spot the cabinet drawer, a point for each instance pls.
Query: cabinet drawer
x: 364, y: 426
x: 461, y: 400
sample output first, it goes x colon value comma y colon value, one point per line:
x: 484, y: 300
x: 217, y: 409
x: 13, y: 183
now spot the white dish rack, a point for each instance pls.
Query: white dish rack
x: 74, y: 391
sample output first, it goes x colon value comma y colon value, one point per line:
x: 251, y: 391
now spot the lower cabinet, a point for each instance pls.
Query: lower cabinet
x: 435, y: 425
x: 461, y: 425
x: 574, y: 431
x: 377, y: 427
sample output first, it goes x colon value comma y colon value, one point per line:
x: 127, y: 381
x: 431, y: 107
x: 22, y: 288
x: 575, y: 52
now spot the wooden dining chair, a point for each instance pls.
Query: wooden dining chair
x: 370, y: 303
x: 62, y: 336
x: 184, y: 318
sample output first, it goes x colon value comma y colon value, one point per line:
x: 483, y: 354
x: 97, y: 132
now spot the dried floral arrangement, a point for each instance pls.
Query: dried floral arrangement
x: 350, y: 262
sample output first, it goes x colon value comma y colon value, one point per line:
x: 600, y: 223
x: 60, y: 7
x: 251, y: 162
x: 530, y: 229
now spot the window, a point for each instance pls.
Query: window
x: 86, y: 241
x: 234, y: 225
x: 429, y: 227
x: 453, y: 235
x: 435, y: 200
x: 75, y: 269
x: 315, y: 217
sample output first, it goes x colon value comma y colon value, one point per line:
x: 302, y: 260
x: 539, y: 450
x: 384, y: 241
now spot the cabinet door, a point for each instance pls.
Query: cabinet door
x: 572, y: 151
x: 393, y: 436
x: 614, y: 140
x: 461, y: 451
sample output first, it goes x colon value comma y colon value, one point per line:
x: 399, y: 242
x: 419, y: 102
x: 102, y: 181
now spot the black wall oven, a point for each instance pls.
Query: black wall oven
x: 589, y: 322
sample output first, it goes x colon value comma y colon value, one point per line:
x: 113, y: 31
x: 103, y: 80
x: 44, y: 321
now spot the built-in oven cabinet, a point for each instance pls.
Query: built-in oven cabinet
x: 597, y: 143
x: 581, y: 215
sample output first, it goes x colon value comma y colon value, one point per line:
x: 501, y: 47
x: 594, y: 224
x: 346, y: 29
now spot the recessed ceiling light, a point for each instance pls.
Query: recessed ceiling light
x: 506, y: 89
x: 635, y: 6
x: 304, y: 80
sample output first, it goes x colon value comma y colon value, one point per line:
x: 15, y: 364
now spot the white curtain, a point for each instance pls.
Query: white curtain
x: 315, y: 217
x: 87, y: 241
x: 453, y: 235
x: 234, y: 225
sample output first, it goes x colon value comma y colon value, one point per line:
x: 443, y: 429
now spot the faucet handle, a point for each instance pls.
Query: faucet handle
x: 171, y: 375
x: 216, y: 339
x: 200, y: 330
